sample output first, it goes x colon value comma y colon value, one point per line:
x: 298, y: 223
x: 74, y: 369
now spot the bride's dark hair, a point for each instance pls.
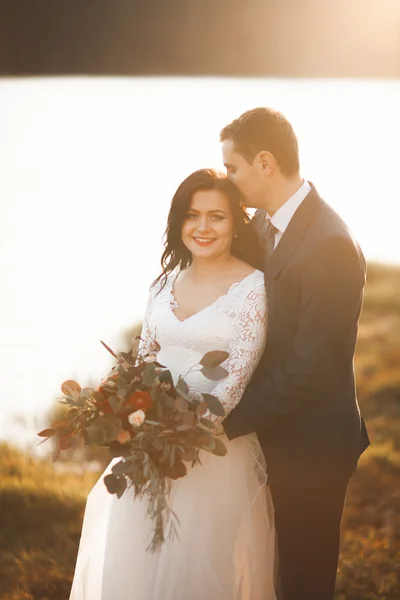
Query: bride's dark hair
x: 244, y: 246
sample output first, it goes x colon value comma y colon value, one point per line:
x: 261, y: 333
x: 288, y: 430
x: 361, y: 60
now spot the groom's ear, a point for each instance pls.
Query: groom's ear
x: 266, y: 161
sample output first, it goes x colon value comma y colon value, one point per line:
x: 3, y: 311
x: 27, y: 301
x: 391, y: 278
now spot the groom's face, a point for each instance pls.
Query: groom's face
x: 249, y: 178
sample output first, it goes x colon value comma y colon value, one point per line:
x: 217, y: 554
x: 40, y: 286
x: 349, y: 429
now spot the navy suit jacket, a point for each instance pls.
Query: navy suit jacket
x: 301, y: 400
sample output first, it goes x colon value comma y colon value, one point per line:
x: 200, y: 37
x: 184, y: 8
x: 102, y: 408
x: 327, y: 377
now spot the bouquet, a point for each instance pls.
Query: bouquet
x: 152, y: 425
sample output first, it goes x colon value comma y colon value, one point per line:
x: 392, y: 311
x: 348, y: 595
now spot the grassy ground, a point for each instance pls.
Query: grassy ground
x: 41, y: 508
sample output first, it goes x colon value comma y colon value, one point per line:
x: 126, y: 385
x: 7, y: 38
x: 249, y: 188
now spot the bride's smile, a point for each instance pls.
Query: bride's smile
x: 208, y: 229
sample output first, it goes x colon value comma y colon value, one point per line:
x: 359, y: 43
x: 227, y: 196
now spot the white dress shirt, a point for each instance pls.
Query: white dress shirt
x: 284, y: 214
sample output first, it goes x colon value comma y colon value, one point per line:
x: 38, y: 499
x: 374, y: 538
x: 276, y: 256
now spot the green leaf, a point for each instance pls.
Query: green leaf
x: 116, y: 403
x: 184, y: 395
x: 207, y: 423
x: 97, y: 435
x: 87, y: 392
x: 182, y: 389
x: 220, y: 448
x: 181, y: 404
x: 109, y: 425
x: 214, y: 405
x: 215, y: 373
x: 201, y: 409
x: 184, y: 427
x: 154, y: 393
x: 188, y: 455
x: 208, y: 442
x: 167, y: 401
x: 177, y: 470
x: 189, y: 418
x: 119, y: 468
x: 109, y: 350
x: 117, y: 449
x: 98, y: 396
x: 70, y: 387
x: 122, y: 485
x: 128, y: 375
x: 135, y: 346
x: 149, y: 374
x: 214, y: 358
x: 122, y: 385
x: 182, y: 386
x: 47, y: 433
x: 111, y: 483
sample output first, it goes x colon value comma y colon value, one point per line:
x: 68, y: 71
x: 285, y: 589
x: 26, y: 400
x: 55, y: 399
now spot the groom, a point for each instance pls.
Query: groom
x: 301, y: 400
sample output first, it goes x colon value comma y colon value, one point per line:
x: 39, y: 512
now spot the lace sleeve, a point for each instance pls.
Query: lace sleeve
x: 245, y: 350
x: 148, y: 343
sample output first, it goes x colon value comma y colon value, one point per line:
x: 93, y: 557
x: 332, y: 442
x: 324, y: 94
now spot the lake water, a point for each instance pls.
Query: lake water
x: 89, y: 166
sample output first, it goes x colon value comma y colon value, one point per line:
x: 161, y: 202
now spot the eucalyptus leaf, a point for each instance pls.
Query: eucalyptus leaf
x: 215, y: 373
x: 135, y: 345
x: 182, y: 386
x: 167, y: 401
x: 119, y: 468
x: 154, y: 393
x: 122, y: 385
x: 116, y: 403
x: 184, y: 395
x: 208, y: 443
x: 109, y: 350
x: 116, y: 450
x: 184, y: 427
x: 181, y: 404
x: 70, y: 387
x: 188, y: 455
x: 219, y: 448
x: 86, y: 392
x: 188, y: 418
x: 214, y: 358
x: 122, y: 485
x: 97, y: 435
x: 214, y: 405
x: 149, y: 374
x: 111, y: 426
x: 111, y: 483
x: 207, y: 423
x: 47, y: 433
x: 202, y: 409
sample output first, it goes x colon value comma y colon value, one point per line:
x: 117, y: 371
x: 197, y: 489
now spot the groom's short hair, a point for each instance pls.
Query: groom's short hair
x: 264, y: 129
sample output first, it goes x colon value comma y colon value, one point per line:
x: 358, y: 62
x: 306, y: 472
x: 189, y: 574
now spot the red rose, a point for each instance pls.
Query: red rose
x: 140, y: 400
x: 106, y: 407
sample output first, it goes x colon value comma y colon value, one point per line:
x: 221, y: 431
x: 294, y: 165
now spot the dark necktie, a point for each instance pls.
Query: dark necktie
x: 269, y: 244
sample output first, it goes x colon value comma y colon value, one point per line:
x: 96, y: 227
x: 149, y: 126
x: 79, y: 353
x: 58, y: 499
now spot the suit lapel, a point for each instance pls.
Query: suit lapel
x: 293, y: 235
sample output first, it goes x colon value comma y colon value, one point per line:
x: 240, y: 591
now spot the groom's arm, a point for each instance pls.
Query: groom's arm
x: 331, y: 292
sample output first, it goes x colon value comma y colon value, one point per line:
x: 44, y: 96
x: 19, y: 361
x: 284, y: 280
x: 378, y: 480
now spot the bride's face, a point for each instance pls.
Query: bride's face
x: 208, y: 229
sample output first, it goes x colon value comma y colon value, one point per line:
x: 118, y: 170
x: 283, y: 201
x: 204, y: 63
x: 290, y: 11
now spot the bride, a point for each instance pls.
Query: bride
x: 208, y: 297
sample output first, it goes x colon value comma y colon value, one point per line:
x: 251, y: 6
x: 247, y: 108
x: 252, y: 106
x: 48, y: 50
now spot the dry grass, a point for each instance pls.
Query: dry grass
x: 41, y: 508
x: 40, y: 520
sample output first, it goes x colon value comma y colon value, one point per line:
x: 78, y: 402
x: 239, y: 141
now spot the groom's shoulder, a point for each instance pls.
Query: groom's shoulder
x: 329, y: 228
x: 328, y: 223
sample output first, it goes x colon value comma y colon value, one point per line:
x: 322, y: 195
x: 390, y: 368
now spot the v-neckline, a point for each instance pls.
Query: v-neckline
x: 173, y: 300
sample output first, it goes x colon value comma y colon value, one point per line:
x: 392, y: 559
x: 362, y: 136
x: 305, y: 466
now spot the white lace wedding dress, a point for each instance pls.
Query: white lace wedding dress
x: 225, y: 549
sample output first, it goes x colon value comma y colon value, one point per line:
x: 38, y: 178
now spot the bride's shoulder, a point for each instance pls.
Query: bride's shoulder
x: 259, y: 276
x: 255, y: 281
x: 162, y: 284
x: 251, y: 274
